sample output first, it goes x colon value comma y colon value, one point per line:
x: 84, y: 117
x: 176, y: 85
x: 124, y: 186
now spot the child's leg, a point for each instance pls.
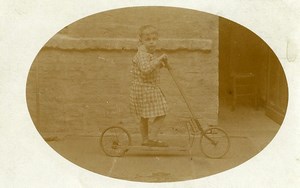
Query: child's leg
x: 144, y: 129
x: 157, y: 124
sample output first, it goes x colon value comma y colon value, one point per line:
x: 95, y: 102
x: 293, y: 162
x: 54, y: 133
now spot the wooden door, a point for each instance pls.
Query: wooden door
x: 277, y: 90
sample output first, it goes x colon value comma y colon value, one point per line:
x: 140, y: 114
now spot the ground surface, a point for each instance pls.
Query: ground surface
x: 249, y: 130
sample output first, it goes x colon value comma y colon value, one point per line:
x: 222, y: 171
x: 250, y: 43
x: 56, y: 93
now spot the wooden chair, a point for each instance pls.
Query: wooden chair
x: 244, y: 85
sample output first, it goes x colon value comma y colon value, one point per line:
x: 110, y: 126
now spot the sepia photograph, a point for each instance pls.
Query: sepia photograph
x: 156, y: 94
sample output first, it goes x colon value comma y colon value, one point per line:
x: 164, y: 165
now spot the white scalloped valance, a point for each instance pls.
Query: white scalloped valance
x: 66, y: 42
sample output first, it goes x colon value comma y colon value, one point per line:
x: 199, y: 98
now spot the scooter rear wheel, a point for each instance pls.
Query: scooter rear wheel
x: 214, y: 142
x: 115, y: 141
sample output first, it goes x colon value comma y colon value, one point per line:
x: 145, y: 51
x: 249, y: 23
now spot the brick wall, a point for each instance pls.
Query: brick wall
x: 79, y: 81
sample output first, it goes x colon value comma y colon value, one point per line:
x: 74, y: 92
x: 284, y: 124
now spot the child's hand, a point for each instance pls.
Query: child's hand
x: 165, y: 62
x: 164, y: 58
x: 167, y: 65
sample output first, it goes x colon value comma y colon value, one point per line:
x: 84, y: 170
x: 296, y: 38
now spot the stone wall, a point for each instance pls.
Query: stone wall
x: 79, y: 81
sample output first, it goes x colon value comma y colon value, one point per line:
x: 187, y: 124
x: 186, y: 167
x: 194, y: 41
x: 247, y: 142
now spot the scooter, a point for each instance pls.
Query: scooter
x: 116, y: 141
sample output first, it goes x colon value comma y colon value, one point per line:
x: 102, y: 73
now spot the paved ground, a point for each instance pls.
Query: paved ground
x: 250, y: 131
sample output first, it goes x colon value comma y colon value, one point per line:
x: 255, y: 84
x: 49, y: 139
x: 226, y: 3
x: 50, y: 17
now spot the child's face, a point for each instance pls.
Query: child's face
x: 149, y: 41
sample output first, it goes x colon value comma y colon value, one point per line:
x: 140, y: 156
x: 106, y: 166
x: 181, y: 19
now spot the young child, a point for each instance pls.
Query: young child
x: 146, y: 98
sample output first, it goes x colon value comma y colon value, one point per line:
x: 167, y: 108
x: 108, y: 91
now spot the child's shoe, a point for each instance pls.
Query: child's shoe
x: 159, y: 143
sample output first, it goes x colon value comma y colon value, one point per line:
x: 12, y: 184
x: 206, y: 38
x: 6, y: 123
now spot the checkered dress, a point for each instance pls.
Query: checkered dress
x: 146, y: 98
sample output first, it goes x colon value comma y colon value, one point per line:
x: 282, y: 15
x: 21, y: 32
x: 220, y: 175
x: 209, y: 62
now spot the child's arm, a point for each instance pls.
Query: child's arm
x: 147, y: 66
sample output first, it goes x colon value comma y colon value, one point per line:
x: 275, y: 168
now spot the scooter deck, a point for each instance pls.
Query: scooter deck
x: 156, y: 148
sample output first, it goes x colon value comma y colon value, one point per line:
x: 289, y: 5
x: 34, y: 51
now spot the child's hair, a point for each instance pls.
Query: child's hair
x: 152, y: 30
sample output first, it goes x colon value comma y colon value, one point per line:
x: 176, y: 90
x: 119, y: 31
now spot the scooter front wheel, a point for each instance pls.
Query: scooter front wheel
x: 115, y: 141
x: 214, y: 142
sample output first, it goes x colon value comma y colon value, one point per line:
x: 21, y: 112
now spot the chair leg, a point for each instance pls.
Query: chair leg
x: 255, y: 98
x: 233, y: 95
